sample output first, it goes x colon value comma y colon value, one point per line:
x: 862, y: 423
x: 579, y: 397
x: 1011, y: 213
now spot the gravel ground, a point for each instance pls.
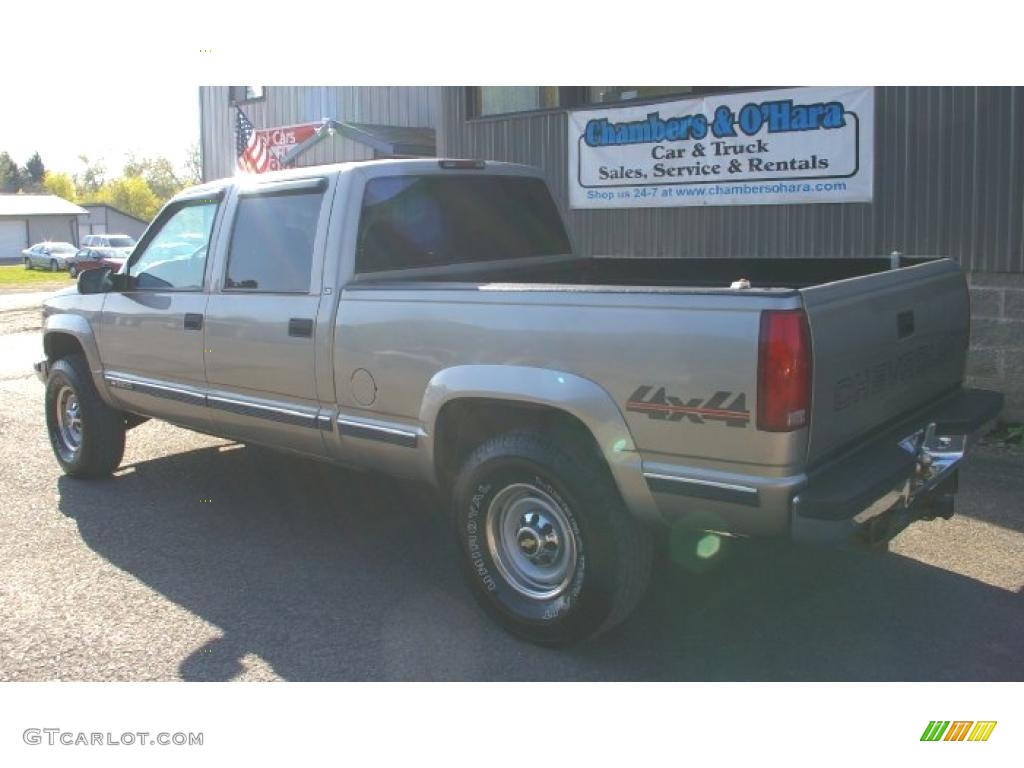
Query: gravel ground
x: 206, y: 560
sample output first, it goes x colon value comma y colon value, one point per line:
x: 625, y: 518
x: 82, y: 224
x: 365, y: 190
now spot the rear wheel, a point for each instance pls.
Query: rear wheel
x: 548, y: 548
x: 86, y: 434
x: 73, y: 271
x: 53, y: 265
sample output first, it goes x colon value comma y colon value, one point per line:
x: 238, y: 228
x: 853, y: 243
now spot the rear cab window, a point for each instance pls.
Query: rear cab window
x: 429, y: 220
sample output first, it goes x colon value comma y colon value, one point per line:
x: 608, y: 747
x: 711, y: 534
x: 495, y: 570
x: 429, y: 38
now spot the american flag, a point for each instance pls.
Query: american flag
x: 253, y: 154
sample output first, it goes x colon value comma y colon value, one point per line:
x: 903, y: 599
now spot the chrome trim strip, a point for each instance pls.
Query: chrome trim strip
x: 394, y: 435
x: 156, y: 390
x: 693, y: 481
x: 703, y: 489
x: 261, y: 411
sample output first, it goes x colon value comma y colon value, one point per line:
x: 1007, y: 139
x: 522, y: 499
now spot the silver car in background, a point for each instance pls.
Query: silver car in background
x: 119, y: 246
x: 54, y: 256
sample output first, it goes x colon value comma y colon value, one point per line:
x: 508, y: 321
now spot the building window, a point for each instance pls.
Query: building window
x: 609, y: 94
x: 500, y: 99
x: 237, y: 93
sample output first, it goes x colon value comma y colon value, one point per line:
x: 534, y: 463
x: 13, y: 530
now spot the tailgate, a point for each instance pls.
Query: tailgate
x: 883, y: 345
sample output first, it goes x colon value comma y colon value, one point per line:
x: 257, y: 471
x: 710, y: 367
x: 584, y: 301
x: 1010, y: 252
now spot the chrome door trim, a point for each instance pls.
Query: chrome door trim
x: 262, y: 411
x: 349, y: 427
x: 148, y: 387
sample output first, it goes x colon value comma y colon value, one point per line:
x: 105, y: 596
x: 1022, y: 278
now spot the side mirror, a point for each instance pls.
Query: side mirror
x: 96, y: 281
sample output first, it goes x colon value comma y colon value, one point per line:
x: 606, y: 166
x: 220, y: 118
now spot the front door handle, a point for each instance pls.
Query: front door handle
x: 193, y: 321
x: 300, y: 326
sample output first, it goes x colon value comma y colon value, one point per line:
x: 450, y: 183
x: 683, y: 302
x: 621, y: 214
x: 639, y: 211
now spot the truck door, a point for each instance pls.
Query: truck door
x: 151, y: 334
x: 261, y: 321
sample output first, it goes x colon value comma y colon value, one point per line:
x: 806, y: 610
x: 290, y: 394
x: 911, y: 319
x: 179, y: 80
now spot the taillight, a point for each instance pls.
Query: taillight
x: 783, y: 371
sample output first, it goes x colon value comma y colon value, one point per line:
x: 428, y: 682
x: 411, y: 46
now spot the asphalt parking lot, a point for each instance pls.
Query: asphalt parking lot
x: 207, y: 560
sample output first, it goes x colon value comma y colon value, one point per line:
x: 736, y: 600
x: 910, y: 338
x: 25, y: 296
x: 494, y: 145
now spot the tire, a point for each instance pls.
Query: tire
x: 73, y: 271
x: 100, y: 429
x: 28, y: 263
x: 53, y: 265
x: 511, y: 495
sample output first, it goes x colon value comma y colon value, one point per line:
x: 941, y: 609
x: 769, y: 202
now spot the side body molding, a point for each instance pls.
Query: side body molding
x: 78, y: 327
x: 575, y: 395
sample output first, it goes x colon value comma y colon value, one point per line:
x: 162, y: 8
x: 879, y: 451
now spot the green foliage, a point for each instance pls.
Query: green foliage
x: 1015, y: 434
x: 61, y: 185
x: 193, y: 167
x: 130, y: 194
x: 158, y: 174
x: 35, y: 170
x: 10, y: 175
x: 18, y: 276
x: 147, y: 183
x: 91, y: 179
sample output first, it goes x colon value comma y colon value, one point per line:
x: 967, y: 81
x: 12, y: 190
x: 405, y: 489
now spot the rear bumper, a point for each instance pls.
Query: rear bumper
x: 907, y: 474
x: 42, y: 369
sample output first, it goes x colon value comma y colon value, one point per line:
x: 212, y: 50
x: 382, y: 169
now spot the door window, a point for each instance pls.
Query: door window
x: 175, y: 258
x: 272, y: 242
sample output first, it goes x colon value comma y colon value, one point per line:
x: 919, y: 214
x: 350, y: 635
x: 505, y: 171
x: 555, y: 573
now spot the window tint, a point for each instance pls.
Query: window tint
x: 176, y: 256
x: 424, y: 221
x: 120, y: 242
x: 272, y: 242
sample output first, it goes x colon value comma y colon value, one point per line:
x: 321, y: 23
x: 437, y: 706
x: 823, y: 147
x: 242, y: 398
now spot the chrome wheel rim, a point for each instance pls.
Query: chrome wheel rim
x: 69, y: 423
x: 532, y: 541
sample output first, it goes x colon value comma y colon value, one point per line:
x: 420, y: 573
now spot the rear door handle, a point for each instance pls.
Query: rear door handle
x: 300, y: 326
x: 193, y: 321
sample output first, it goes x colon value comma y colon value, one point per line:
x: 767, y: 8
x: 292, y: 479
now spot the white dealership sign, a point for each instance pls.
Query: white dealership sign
x: 799, y: 145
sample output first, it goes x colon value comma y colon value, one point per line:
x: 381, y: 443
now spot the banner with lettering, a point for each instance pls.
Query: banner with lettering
x: 796, y: 145
x: 281, y: 140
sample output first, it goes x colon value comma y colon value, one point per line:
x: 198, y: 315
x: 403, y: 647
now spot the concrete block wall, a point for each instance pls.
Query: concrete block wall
x: 996, y: 357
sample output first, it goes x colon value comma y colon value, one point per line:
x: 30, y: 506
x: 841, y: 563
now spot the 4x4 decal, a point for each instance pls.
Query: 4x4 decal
x: 697, y: 410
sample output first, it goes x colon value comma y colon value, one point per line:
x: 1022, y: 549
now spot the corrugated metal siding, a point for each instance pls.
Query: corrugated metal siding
x: 415, y: 107
x: 949, y: 180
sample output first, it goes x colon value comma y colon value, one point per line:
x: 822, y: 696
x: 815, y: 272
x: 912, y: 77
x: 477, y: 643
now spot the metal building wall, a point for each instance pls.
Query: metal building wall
x: 288, y: 105
x: 949, y: 180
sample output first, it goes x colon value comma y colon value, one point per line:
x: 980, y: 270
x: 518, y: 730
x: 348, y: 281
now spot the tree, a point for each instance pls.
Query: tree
x: 35, y: 170
x: 60, y: 184
x: 90, y: 180
x: 193, y: 166
x: 10, y: 174
x: 130, y: 194
x: 158, y: 173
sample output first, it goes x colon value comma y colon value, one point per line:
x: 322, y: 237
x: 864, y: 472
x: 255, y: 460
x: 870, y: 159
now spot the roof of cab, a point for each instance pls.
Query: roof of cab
x: 415, y: 165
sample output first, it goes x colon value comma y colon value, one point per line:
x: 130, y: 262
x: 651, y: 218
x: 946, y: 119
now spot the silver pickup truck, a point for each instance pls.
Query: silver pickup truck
x: 428, y: 319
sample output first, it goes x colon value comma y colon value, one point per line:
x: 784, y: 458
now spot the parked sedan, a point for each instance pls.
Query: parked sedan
x: 49, y: 255
x: 91, y: 258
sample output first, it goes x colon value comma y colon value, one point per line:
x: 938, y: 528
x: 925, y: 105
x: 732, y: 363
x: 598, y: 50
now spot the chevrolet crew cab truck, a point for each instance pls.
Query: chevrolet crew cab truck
x: 429, y: 319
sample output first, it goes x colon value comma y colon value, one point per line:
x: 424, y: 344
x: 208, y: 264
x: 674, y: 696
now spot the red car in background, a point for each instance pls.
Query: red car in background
x: 90, y: 258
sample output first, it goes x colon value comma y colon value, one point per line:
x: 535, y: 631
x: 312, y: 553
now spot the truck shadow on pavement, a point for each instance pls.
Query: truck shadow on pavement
x: 333, y: 575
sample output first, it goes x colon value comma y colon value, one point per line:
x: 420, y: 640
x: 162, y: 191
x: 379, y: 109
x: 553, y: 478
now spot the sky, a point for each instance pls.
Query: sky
x: 63, y: 121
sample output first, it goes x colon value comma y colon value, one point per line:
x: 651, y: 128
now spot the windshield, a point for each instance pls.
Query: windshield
x: 62, y: 248
x: 121, y: 242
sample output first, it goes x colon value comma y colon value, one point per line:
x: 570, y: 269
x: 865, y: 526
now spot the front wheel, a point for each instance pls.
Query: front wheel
x: 53, y: 265
x: 548, y: 548
x: 86, y: 434
x: 73, y: 271
x: 28, y: 263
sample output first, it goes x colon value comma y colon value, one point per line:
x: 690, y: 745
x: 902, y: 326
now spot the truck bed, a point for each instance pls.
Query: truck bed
x: 686, y: 273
